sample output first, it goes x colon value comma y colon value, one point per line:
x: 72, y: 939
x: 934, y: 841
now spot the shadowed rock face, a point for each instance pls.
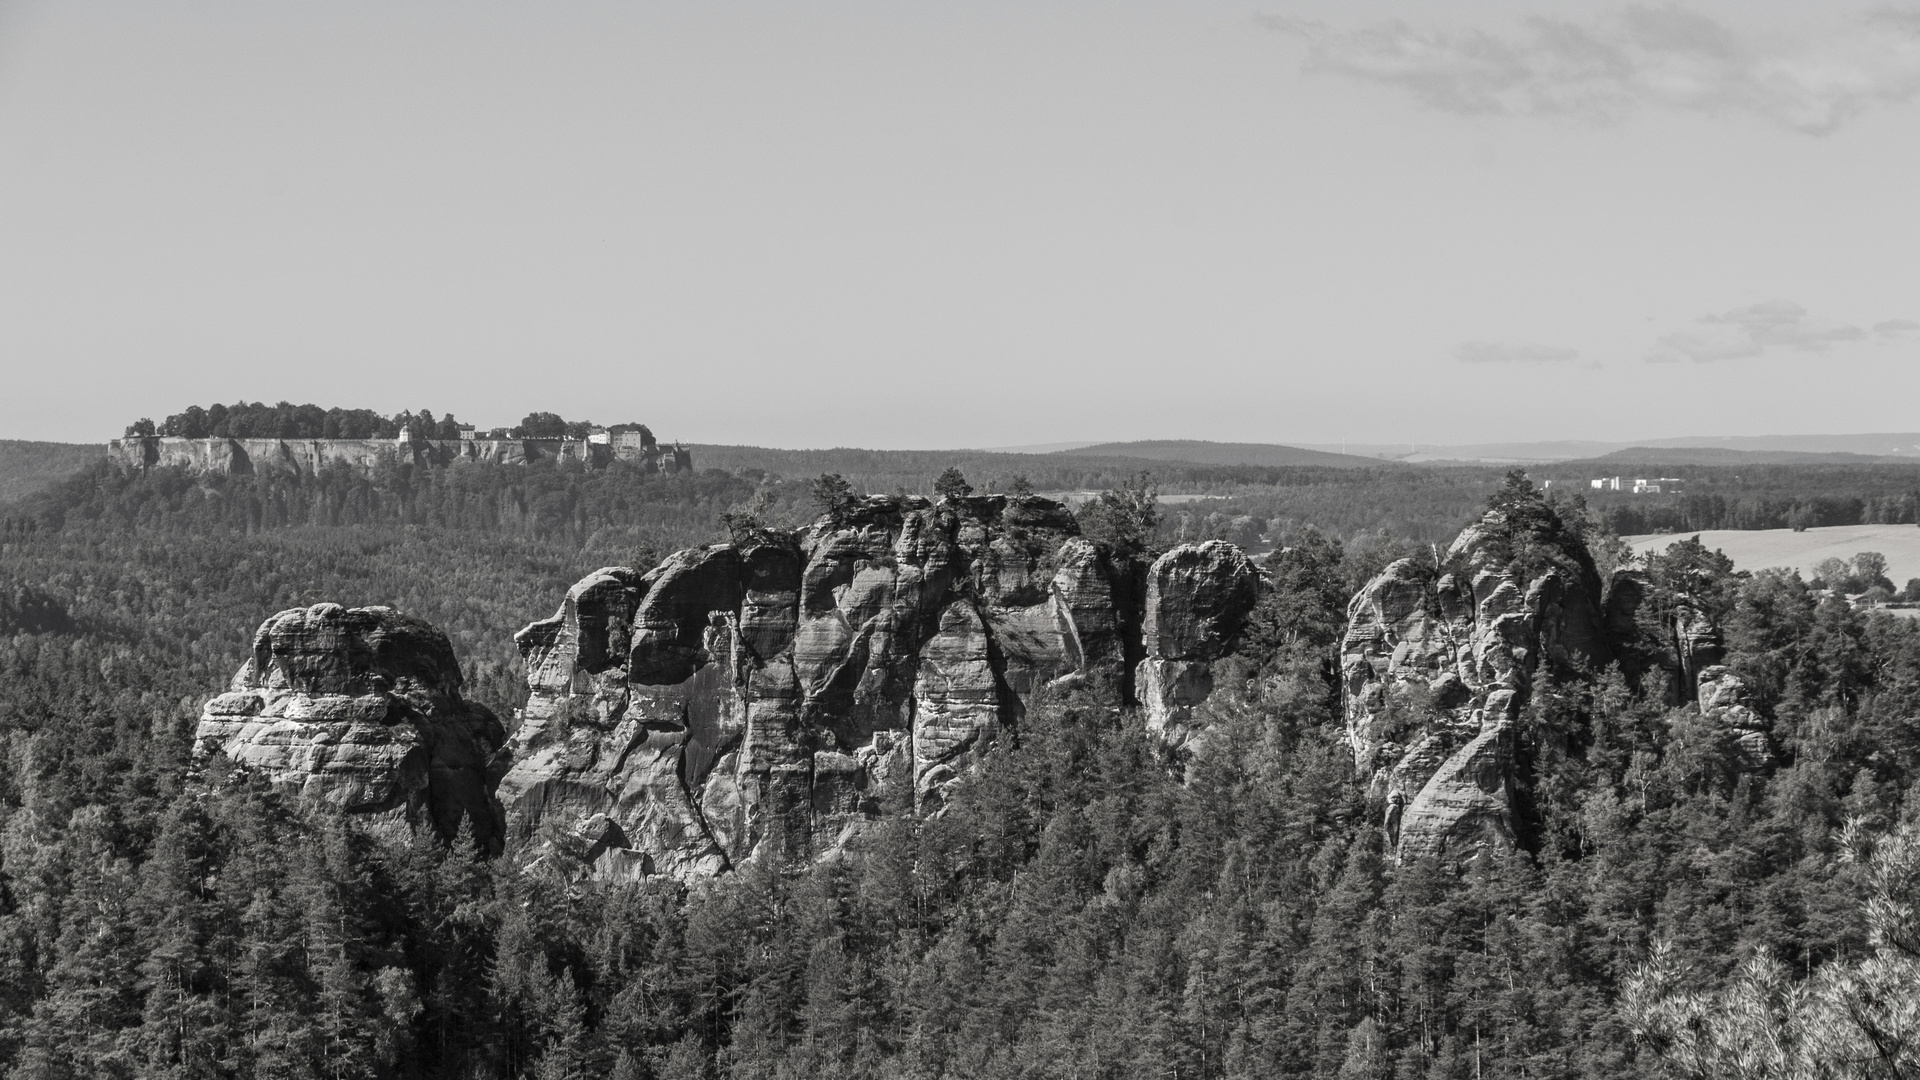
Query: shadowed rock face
x: 361, y: 708
x: 1437, y: 661
x: 777, y: 694
x: 1198, y: 600
x: 1685, y: 640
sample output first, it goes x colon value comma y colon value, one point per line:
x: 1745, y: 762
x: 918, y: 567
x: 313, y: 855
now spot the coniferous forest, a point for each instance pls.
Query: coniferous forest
x: 1084, y: 906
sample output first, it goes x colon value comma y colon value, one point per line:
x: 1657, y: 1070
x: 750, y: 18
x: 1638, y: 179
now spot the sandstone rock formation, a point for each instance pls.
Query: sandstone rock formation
x: 1198, y: 599
x: 777, y: 693
x: 246, y: 457
x: 771, y: 695
x: 361, y: 708
x: 1440, y: 655
x: 1725, y: 700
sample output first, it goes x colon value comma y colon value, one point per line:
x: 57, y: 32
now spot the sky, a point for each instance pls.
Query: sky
x: 909, y: 224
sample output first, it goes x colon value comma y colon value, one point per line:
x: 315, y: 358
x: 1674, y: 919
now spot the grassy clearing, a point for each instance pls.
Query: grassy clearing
x: 1759, y: 548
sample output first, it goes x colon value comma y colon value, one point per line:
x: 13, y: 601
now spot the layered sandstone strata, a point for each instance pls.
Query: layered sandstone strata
x: 361, y: 708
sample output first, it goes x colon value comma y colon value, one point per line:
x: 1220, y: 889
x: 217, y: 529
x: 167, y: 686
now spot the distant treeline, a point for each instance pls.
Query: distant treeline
x: 1696, y: 513
x: 1431, y: 505
x: 1422, y: 505
x: 286, y: 420
x: 539, y: 498
x: 1767, y: 497
x: 914, y: 470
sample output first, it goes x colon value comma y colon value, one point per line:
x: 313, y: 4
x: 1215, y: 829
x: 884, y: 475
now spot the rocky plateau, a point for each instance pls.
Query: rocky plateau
x: 251, y: 457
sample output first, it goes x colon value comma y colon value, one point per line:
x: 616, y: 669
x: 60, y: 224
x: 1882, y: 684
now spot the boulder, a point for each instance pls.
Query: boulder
x: 361, y: 708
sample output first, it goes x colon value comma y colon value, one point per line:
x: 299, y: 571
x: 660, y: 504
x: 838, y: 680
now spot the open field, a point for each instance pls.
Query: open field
x: 1759, y: 548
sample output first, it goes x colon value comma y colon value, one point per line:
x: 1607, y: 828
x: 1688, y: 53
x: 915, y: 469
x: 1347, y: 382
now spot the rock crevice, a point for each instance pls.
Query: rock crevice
x: 792, y: 686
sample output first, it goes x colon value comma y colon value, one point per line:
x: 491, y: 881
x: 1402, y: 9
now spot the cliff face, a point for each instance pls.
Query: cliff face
x: 779, y: 693
x: 248, y: 457
x: 361, y: 708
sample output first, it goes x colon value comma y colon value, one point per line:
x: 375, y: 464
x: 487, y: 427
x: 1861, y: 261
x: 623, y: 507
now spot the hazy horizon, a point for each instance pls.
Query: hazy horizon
x: 925, y: 226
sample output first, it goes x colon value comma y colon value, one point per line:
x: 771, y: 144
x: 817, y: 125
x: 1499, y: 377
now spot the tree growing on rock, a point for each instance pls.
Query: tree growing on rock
x: 746, y: 522
x: 833, y: 495
x: 1125, y: 519
x: 1532, y: 536
x: 952, y: 484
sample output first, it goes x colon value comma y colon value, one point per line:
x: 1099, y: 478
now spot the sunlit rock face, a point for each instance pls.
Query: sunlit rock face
x: 1726, y: 703
x: 777, y: 694
x: 361, y: 708
x: 368, y: 457
x: 1440, y: 655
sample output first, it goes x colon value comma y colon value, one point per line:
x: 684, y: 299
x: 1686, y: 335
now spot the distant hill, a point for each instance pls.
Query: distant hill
x: 1201, y: 452
x: 1090, y: 469
x: 1034, y: 448
x: 1513, y: 453
x: 1884, y: 444
x: 27, y: 467
x: 1872, y: 446
x: 1715, y: 455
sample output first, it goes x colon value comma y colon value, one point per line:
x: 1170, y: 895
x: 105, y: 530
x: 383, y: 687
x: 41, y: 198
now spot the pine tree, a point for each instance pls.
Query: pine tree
x: 1846, y: 1020
x: 188, y: 936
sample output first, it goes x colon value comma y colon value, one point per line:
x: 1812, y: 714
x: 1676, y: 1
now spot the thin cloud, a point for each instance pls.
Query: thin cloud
x: 1496, y: 352
x: 1637, y: 58
x: 1775, y: 326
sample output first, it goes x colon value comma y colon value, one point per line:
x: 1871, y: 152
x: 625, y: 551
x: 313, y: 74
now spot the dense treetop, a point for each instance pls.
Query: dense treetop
x: 286, y: 420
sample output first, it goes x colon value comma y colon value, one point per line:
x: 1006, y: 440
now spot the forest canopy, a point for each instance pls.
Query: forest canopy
x: 285, y: 420
x: 1084, y: 905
